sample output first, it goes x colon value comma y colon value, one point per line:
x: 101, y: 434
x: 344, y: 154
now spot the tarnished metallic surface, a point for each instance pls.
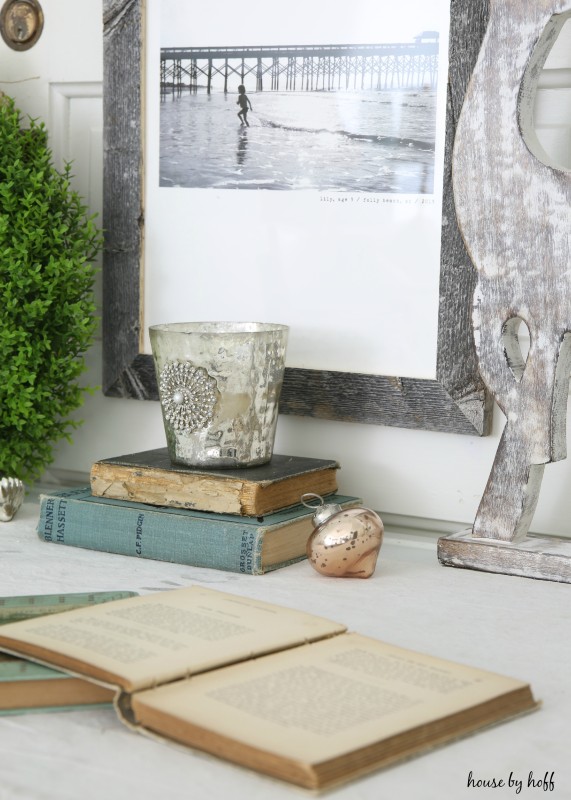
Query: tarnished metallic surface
x: 219, y: 387
x: 21, y: 23
x: 345, y: 542
x: 11, y: 497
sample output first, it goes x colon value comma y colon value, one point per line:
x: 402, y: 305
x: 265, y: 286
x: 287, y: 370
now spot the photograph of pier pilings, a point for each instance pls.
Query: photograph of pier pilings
x: 331, y: 117
x: 320, y: 67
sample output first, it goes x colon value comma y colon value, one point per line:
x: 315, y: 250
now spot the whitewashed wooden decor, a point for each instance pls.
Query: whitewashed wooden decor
x: 514, y: 212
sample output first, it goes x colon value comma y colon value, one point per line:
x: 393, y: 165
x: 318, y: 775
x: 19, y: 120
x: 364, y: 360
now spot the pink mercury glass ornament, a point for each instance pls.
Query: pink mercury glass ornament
x: 346, y: 541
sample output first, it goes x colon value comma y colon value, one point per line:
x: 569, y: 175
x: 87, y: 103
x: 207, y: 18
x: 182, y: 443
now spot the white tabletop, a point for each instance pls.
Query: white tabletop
x: 510, y: 625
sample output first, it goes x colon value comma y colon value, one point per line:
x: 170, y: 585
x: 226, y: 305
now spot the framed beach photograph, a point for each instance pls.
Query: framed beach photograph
x: 296, y: 173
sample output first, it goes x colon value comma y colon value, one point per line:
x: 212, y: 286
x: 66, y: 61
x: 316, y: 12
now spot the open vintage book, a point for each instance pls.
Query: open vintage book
x: 277, y: 690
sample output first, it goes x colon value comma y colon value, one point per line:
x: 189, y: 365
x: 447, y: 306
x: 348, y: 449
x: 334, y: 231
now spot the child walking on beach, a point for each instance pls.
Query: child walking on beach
x: 243, y: 101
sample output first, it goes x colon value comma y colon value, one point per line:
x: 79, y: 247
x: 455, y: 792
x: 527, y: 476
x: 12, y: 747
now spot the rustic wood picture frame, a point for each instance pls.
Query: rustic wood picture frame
x: 455, y: 401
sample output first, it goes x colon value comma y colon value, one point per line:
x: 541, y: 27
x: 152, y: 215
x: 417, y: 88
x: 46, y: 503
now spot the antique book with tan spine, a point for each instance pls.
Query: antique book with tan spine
x: 150, y: 477
x: 26, y: 686
x: 274, y: 689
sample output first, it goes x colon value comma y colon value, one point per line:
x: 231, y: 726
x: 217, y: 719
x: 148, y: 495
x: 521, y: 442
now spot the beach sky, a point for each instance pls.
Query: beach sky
x: 299, y: 22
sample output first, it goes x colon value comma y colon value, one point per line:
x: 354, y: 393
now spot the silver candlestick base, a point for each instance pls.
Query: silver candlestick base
x: 11, y: 497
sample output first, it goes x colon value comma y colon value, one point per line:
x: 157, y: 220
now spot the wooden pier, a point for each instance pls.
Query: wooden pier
x: 308, y: 68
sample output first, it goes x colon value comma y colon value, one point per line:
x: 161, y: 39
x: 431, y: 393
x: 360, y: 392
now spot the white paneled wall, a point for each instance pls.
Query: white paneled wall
x: 553, y: 105
x: 429, y: 477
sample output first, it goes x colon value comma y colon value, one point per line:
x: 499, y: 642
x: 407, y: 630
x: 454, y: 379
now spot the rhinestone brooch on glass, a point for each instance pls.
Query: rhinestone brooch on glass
x: 188, y: 396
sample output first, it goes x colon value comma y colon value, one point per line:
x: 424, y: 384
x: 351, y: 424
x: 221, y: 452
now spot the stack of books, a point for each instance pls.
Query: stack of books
x: 246, y: 520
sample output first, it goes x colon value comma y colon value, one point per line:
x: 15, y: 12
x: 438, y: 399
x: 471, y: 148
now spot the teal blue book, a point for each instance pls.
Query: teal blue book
x: 19, y: 607
x: 249, y: 545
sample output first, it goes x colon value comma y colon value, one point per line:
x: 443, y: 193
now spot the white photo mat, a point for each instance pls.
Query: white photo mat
x: 354, y: 274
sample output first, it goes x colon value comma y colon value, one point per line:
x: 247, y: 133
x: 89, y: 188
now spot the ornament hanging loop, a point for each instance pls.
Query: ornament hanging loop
x: 323, y: 511
x: 311, y: 496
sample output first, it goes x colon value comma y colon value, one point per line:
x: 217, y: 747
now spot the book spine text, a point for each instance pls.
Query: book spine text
x: 151, y: 534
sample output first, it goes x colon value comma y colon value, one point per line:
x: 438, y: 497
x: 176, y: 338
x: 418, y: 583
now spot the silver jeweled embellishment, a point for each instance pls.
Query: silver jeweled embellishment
x: 188, y: 396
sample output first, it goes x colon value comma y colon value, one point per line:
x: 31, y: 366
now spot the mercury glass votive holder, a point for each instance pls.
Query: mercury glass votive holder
x: 219, y: 389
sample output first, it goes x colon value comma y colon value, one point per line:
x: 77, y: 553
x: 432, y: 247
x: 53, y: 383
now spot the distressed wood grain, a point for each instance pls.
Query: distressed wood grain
x: 456, y: 401
x: 514, y: 211
x: 123, y: 214
x: 539, y: 557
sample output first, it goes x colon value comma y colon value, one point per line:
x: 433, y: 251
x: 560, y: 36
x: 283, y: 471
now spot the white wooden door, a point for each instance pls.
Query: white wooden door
x: 59, y: 81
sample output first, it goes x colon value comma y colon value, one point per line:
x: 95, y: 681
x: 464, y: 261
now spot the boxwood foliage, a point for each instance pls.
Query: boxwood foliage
x: 47, y: 314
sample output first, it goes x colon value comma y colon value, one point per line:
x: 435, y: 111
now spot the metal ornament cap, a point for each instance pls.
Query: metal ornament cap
x: 346, y: 542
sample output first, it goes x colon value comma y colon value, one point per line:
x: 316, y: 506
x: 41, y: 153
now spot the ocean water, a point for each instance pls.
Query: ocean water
x: 362, y: 141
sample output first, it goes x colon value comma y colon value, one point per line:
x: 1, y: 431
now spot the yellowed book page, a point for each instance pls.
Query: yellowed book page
x: 223, y: 495
x: 144, y: 641
x: 158, y: 487
x: 317, y: 703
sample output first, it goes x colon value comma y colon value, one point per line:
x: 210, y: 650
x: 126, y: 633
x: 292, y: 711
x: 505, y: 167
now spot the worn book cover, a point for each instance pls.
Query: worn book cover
x: 250, y: 545
x: 19, y: 607
x: 26, y: 686
x: 281, y: 691
x: 150, y: 477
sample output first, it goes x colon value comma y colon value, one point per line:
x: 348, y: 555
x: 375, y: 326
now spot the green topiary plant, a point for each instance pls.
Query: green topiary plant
x: 47, y: 313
